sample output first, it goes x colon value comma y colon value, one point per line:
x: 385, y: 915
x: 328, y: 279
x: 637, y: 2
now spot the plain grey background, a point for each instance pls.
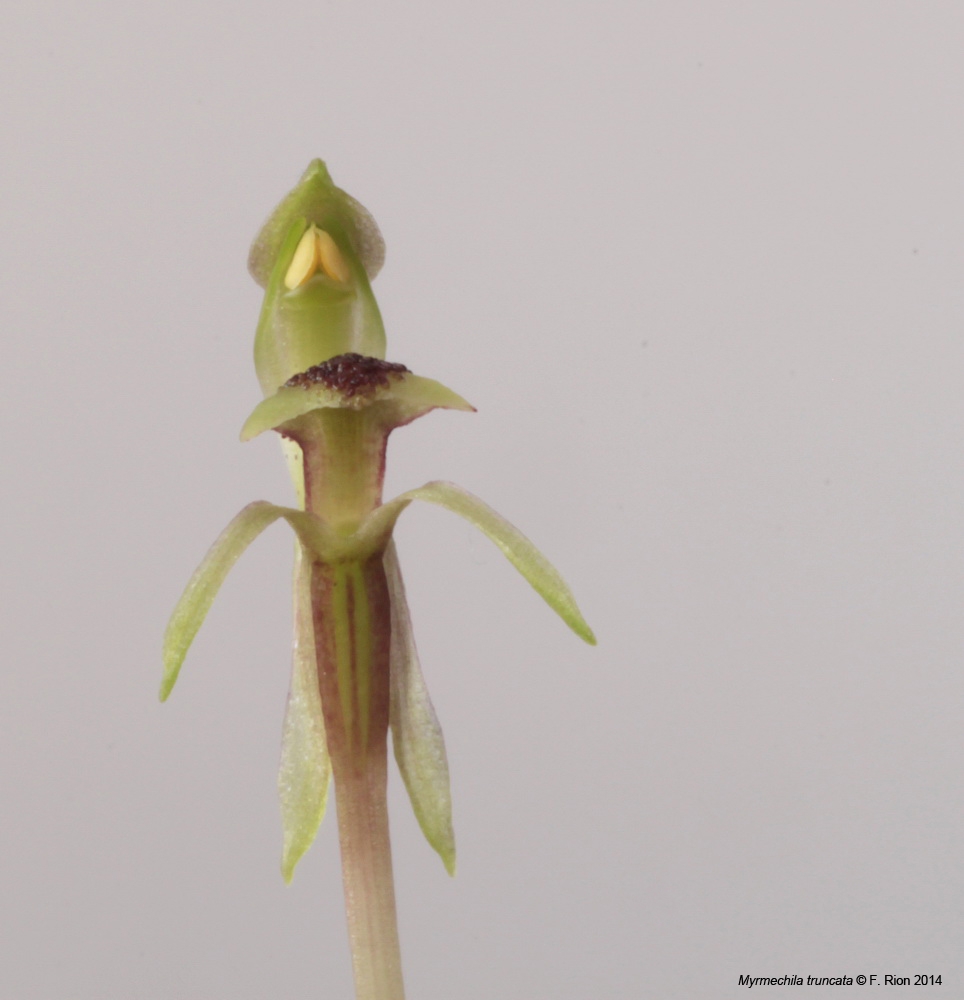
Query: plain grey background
x: 699, y: 268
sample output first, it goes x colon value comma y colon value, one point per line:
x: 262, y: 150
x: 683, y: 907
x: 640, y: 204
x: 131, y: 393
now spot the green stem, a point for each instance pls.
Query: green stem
x: 343, y: 463
x: 366, y: 861
x: 351, y: 612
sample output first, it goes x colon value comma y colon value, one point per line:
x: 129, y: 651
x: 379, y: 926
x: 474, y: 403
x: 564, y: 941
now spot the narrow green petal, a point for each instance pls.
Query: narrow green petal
x: 526, y: 558
x: 203, y: 587
x: 305, y: 772
x: 416, y: 735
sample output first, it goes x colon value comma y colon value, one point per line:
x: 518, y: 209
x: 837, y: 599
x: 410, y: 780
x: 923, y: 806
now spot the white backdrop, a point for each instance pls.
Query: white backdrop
x: 698, y: 265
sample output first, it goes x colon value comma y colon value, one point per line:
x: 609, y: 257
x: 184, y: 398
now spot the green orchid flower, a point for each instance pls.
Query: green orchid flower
x: 334, y: 400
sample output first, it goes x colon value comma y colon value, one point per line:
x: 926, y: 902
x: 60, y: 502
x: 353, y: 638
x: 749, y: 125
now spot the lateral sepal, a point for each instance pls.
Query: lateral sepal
x: 416, y: 735
x: 527, y: 559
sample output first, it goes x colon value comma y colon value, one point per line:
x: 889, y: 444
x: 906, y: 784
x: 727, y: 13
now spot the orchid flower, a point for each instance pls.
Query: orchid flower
x: 334, y: 400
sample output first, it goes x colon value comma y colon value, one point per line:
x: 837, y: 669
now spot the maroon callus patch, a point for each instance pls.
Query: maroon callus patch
x: 349, y: 374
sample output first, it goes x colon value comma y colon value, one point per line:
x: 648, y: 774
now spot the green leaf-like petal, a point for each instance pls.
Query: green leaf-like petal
x: 400, y: 401
x: 285, y: 405
x: 198, y: 596
x: 416, y: 735
x: 526, y: 558
x: 191, y: 610
x: 316, y: 199
x: 306, y: 325
x: 305, y: 772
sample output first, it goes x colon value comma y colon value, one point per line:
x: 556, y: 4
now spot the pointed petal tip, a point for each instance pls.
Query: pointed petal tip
x: 291, y: 856
x: 414, y: 396
x: 578, y: 624
x: 317, y: 170
x: 172, y: 668
x: 281, y: 407
x: 288, y: 870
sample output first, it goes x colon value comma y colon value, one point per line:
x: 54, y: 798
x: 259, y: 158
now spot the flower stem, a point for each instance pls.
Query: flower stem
x: 352, y: 620
x: 366, y: 861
